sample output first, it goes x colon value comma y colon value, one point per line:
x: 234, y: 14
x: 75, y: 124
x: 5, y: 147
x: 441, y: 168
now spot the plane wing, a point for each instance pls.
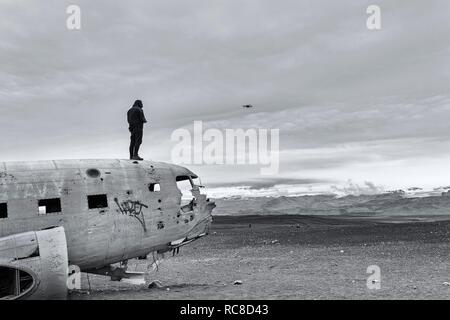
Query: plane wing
x: 34, y: 265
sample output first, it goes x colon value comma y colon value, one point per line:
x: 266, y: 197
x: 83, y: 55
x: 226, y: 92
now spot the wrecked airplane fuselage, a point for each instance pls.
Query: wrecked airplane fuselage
x: 109, y: 210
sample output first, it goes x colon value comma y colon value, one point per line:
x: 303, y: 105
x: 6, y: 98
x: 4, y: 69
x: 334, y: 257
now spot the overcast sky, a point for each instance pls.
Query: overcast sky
x: 372, y: 107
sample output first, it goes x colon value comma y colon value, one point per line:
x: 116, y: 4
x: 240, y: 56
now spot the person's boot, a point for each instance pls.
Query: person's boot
x: 131, y: 152
x: 136, y: 157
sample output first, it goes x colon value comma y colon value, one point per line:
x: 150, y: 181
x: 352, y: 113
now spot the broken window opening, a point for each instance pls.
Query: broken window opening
x: 188, y: 207
x: 184, y: 184
x: 3, y: 211
x: 98, y: 201
x: 154, y: 187
x: 49, y: 206
x: 196, y: 181
x: 197, y: 184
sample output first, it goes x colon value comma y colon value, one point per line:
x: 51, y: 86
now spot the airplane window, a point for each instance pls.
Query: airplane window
x: 98, y: 201
x: 198, y: 183
x: 3, y: 210
x: 49, y: 206
x: 184, y: 185
x: 154, y: 187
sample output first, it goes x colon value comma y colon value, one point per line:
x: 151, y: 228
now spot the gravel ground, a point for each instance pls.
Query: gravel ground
x: 298, y: 257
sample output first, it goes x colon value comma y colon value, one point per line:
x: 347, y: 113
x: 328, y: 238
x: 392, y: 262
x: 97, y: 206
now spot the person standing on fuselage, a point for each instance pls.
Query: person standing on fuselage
x: 136, y: 120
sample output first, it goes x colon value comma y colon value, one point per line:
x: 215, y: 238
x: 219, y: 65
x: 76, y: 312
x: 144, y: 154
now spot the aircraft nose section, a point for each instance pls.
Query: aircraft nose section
x: 207, y: 214
x: 202, y: 227
x: 210, y: 205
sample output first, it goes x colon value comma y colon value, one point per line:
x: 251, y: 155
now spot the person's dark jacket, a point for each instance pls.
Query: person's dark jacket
x: 136, y: 118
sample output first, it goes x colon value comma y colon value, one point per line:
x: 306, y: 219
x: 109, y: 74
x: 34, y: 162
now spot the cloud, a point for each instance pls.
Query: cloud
x: 349, y: 102
x: 351, y: 188
x: 264, y: 183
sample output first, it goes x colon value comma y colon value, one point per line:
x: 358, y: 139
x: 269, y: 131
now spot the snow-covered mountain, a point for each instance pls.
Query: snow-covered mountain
x: 391, y: 203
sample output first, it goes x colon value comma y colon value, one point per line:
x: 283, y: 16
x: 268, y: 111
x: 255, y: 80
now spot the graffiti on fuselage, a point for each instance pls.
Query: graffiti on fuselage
x: 132, y: 209
x: 6, y: 176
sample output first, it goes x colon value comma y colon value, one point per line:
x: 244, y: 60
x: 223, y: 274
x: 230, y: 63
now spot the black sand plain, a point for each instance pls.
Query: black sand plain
x: 298, y: 257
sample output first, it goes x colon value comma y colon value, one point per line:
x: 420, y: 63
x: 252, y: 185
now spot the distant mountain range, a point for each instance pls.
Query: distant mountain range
x: 392, y: 203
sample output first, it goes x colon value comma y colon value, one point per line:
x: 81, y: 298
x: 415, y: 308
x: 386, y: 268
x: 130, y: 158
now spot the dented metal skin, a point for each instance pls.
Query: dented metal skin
x: 136, y: 221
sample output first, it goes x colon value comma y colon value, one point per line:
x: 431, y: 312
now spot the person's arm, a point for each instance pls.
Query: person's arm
x: 129, y: 117
x: 143, y: 117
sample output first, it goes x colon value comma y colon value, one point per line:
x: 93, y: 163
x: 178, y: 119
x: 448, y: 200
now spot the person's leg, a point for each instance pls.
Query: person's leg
x: 138, y: 142
x: 132, y: 143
